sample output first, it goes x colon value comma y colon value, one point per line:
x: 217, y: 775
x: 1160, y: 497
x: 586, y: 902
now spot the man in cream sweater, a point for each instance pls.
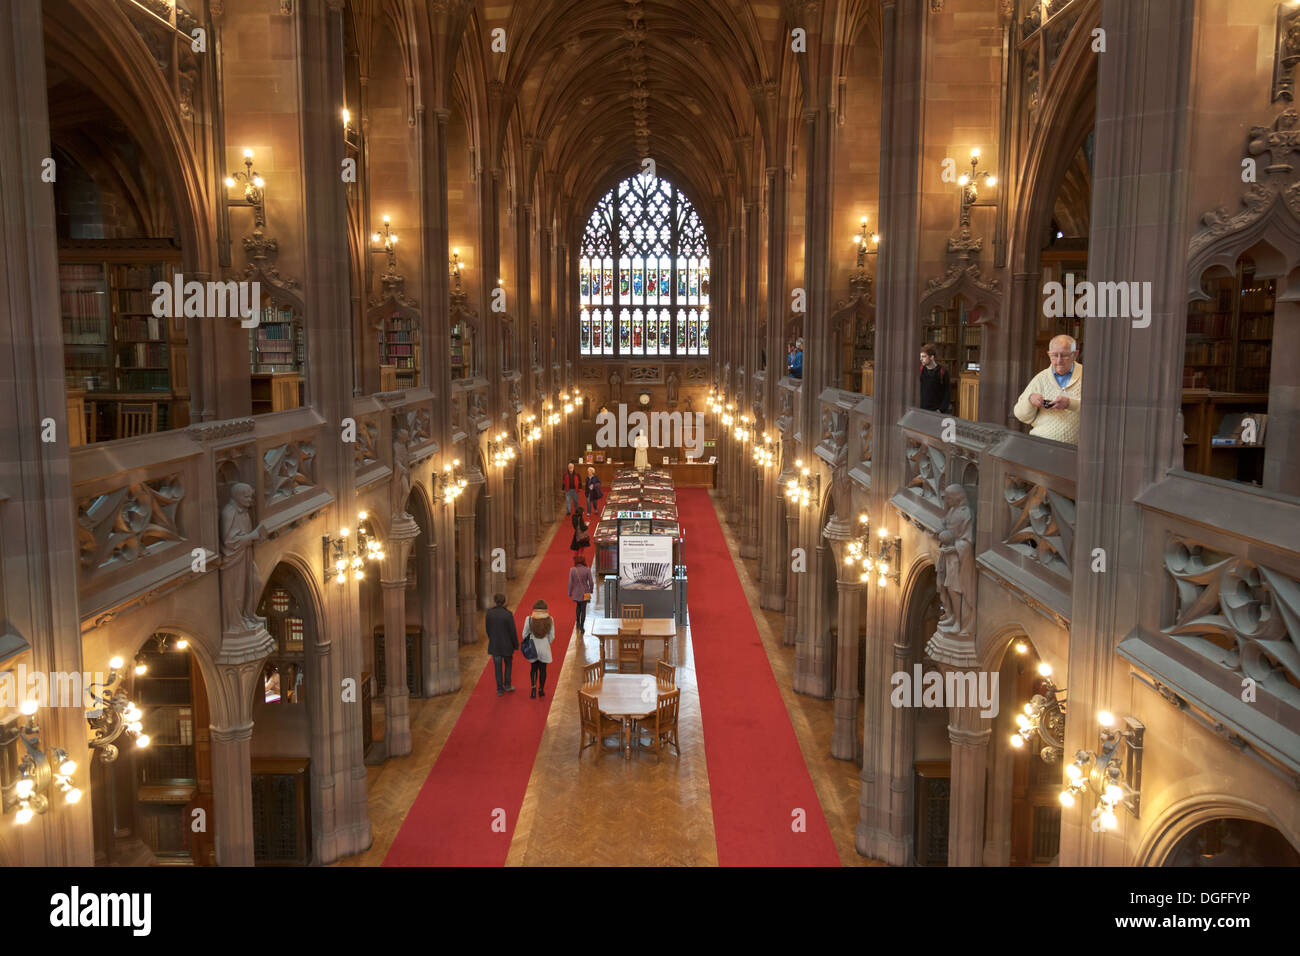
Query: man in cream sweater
x: 1051, y: 401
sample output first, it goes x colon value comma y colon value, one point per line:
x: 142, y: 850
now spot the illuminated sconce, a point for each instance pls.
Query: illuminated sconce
x: 340, y: 558
x: 113, y: 713
x: 867, y: 243
x: 889, y: 558
x: 500, y: 451
x: 970, y: 187
x: 1114, y: 774
x: 805, y: 486
x: 26, y: 781
x: 532, y: 433
x: 764, y: 454
x: 454, y: 266
x: 387, y: 242
x: 254, y: 191
x: 451, y: 483
x: 1043, y: 716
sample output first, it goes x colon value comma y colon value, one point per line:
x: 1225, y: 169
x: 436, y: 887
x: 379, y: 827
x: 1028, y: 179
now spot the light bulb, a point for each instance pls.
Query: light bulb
x: 881, y: 582
x: 863, y: 517
x: 28, y: 708
x: 142, y: 740
x: 362, y: 516
x: 1067, y: 798
x: 115, y: 663
x: 1045, y: 669
x: 141, y: 668
x: 24, y: 788
x: 68, y: 767
x: 23, y: 816
x: 975, y: 153
x: 182, y: 644
x: 1105, y: 718
x: 340, y: 564
x: 1022, y: 721
x: 884, y: 568
x: 230, y: 183
x: 374, y: 237
x: 1073, y: 771
x: 864, y: 577
x: 343, y: 532
x: 881, y: 533
x: 72, y: 796
x: 1113, y: 793
x: 991, y: 181
x: 248, y: 154
x: 1109, y: 820
x: 259, y: 182
x: 1021, y: 647
x: 1029, y: 708
x: 963, y: 180
x: 360, y: 575
x: 1017, y: 741
x: 347, y: 117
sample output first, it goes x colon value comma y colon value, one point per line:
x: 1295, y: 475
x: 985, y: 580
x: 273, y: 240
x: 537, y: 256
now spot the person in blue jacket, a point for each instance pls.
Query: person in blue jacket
x: 795, y: 359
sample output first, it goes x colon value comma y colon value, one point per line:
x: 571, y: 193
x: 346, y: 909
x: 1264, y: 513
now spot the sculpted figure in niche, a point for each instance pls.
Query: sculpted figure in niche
x: 401, y: 486
x: 955, y: 572
x: 239, y: 580
x: 839, y: 430
x: 615, y: 387
x: 671, y: 384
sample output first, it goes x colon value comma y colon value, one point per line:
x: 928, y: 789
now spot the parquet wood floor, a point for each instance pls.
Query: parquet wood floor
x: 601, y: 810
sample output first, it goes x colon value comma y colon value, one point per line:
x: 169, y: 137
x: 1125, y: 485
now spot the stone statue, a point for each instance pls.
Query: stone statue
x: 955, y: 572
x: 615, y: 387
x: 785, y: 426
x: 841, y: 490
x: 401, y: 484
x: 671, y: 383
x: 239, y: 580
x: 642, y: 444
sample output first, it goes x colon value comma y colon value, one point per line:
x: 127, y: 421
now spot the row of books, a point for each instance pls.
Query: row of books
x: 142, y: 327
x: 1257, y: 326
x: 401, y: 350
x: 134, y: 300
x: 141, y: 355
x: 397, y: 335
x: 1215, y: 325
x: 145, y: 380
x: 1208, y: 353
x: 275, y: 331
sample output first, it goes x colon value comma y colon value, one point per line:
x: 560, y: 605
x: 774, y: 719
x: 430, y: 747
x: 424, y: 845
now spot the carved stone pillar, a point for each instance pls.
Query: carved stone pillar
x: 239, y: 672
x: 441, y: 657
x: 844, y: 736
x: 970, y: 748
x: 508, y: 503
x: 465, y: 566
x: 750, y: 476
x: 397, y: 732
x: 793, y: 577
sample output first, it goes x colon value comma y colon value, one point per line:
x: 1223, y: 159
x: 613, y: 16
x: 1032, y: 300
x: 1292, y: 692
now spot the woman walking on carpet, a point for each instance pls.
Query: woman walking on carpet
x: 581, y: 584
x: 541, y: 629
x: 581, y: 537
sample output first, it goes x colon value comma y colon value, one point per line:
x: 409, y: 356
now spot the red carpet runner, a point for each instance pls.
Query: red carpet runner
x: 467, y: 809
x: 757, y: 775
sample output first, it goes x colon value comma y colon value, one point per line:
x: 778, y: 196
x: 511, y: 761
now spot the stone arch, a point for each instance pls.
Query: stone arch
x: 1182, y: 817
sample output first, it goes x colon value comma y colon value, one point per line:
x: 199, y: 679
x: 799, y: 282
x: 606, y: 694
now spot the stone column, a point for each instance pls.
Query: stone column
x: 239, y: 674
x: 38, y: 549
x: 468, y: 584
x: 397, y: 704
x: 441, y: 657
x: 844, y: 737
x: 793, y: 577
x: 749, y: 505
x: 970, y: 747
x: 512, y: 515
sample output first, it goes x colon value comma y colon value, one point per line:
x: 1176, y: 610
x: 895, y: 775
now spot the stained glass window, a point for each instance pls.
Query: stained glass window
x: 644, y: 259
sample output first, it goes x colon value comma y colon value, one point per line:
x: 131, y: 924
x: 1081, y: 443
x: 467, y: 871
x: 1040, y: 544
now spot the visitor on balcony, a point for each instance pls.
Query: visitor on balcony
x: 794, y: 360
x: 1050, y: 403
x: 936, y: 383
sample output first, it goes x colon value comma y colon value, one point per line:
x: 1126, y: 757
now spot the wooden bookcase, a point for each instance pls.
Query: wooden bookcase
x: 166, y: 772
x: 281, y: 811
x: 932, y: 787
x: 399, y: 346
x: 1055, y: 263
x: 115, y: 349
x: 957, y: 345
x: 414, y: 633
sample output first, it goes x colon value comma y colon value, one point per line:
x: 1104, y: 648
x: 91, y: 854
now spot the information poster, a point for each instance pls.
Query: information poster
x: 645, y: 562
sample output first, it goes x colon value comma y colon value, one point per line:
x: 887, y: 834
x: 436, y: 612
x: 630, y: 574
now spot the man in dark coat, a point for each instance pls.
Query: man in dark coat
x: 503, y: 640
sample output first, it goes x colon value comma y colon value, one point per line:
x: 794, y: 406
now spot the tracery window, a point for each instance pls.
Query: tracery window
x: 643, y: 273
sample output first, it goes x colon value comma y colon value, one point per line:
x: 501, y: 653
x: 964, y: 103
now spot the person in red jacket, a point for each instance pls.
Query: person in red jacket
x: 571, y: 482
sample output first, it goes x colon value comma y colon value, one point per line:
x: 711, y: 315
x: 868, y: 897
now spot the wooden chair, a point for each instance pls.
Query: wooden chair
x: 665, y: 676
x: 595, y: 725
x: 136, y: 418
x: 632, y: 616
x: 630, y: 651
x: 663, y: 725
x: 593, y: 673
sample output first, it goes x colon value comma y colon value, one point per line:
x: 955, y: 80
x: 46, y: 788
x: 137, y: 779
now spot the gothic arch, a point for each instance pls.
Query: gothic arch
x: 1182, y: 817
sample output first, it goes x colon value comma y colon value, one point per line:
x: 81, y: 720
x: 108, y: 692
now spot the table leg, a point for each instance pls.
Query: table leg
x: 627, y: 737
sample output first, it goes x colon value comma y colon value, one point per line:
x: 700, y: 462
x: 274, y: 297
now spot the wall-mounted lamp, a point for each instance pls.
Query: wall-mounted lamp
x: 885, y: 563
x: 743, y: 430
x: 970, y: 187
x: 254, y: 191
x: 450, y: 482
x: 764, y: 454
x: 500, y: 451
x: 1114, y: 774
x: 25, y: 781
x: 454, y: 266
x: 1043, y: 717
x: 387, y: 242
x: 115, y: 714
x: 340, y: 557
x: 804, y: 486
x: 867, y: 243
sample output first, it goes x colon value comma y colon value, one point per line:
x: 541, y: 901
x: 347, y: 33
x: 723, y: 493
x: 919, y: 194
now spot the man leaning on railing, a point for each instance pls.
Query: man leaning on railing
x: 1050, y: 403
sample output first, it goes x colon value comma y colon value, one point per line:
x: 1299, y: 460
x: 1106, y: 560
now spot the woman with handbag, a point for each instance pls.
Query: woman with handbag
x: 581, y: 537
x: 581, y: 584
x: 539, y: 631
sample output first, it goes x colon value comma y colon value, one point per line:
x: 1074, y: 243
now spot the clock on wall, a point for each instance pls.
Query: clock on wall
x: 644, y: 398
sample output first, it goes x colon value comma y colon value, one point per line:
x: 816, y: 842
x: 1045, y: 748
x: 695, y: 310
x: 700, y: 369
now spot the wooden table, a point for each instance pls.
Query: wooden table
x: 661, y: 629
x: 625, y: 698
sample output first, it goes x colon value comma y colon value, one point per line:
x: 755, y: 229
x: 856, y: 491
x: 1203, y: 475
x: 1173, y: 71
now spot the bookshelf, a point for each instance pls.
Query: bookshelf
x: 165, y: 772
x: 1056, y: 263
x: 276, y: 344
x: 399, y: 346
x: 957, y: 345
x: 115, y: 350
x: 462, y: 350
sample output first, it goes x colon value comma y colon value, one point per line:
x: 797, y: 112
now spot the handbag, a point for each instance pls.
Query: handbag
x: 528, y: 649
